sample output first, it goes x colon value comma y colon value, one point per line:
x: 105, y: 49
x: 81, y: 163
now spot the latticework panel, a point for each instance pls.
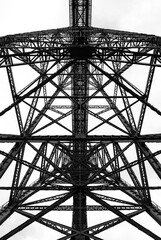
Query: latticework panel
x: 80, y: 133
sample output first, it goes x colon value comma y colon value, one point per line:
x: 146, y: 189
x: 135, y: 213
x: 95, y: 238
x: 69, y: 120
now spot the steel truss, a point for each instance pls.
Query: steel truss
x: 80, y: 114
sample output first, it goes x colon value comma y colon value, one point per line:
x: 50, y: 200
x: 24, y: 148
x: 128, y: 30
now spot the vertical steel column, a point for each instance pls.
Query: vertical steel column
x: 79, y: 91
x: 80, y: 13
x: 80, y: 16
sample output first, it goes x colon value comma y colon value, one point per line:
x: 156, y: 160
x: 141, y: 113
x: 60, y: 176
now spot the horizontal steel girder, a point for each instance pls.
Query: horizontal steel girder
x: 91, y: 138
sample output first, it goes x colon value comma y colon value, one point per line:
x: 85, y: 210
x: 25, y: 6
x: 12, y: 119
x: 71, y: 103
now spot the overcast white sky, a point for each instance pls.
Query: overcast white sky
x: 31, y: 15
x: 18, y: 16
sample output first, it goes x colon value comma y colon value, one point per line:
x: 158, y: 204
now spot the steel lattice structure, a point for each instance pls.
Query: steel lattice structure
x: 84, y: 106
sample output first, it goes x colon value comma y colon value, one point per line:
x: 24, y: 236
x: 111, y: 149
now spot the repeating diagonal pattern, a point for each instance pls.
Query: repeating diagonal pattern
x: 80, y: 128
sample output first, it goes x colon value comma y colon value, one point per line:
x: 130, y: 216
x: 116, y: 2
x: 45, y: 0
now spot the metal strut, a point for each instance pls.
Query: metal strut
x: 82, y: 128
x: 80, y: 16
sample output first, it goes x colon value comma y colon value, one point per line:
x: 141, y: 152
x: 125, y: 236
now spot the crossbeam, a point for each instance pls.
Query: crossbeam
x: 69, y: 138
x: 81, y: 125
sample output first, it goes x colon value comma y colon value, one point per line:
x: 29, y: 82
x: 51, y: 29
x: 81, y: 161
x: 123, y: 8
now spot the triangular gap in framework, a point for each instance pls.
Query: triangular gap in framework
x: 105, y: 128
x: 34, y: 228
x: 5, y: 91
x: 131, y: 157
x: 119, y: 232
x: 113, y: 106
x: 9, y: 123
x: 23, y: 76
x: 7, y: 182
x: 153, y: 178
x: 151, y: 122
x: 103, y: 215
x: 107, y: 215
x: 154, y: 97
x: 137, y: 76
x: 53, y: 128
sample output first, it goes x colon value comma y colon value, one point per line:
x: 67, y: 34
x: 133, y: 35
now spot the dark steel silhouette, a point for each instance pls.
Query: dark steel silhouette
x: 80, y: 127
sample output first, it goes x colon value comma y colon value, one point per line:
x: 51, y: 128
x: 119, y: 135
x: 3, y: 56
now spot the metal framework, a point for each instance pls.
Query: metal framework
x: 80, y: 114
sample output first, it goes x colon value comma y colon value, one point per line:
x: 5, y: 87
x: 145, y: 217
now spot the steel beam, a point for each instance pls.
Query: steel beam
x: 68, y: 138
x: 80, y: 90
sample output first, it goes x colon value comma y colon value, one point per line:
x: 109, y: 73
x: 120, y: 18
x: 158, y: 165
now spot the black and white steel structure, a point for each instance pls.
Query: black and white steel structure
x: 85, y: 108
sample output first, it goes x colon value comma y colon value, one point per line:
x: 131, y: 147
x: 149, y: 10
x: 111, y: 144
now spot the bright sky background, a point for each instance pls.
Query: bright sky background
x: 18, y: 16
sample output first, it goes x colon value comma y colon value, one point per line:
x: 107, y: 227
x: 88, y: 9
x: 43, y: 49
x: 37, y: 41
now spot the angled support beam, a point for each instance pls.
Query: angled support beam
x: 156, y: 165
x: 14, y: 94
x: 6, y: 162
x: 79, y: 236
x: 96, y: 229
x: 123, y: 216
x: 20, y: 99
x: 147, y: 91
x: 140, y: 98
x: 48, y: 223
x: 37, y: 216
x: 58, y: 169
